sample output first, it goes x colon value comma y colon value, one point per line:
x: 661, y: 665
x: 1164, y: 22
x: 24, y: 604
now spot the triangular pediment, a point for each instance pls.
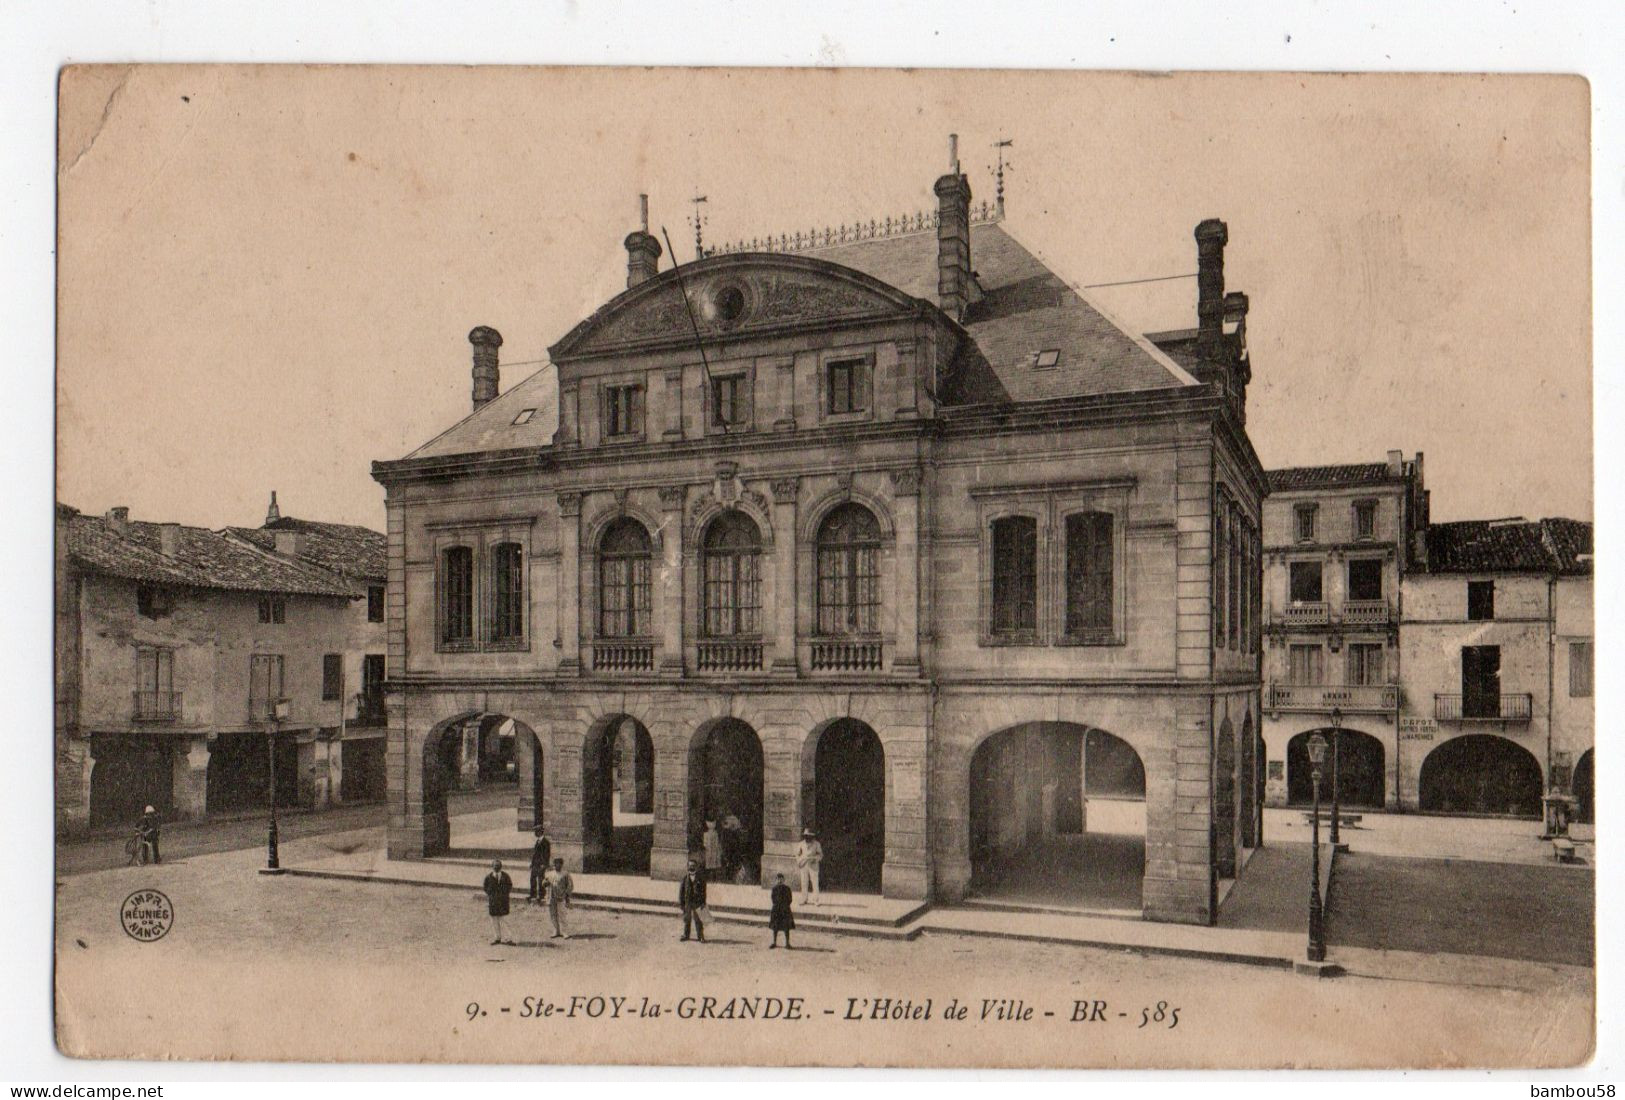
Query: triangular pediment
x: 742, y: 294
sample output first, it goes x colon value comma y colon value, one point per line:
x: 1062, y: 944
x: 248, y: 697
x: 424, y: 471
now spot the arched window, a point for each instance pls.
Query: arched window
x: 732, y: 571
x: 508, y: 592
x: 1015, y: 576
x: 623, y: 581
x: 457, y: 594
x: 849, y: 572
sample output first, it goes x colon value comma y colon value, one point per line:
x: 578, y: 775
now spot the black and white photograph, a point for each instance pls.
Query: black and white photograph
x: 959, y: 568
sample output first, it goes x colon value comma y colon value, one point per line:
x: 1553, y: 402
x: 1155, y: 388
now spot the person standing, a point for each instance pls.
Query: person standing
x: 781, y: 919
x: 691, y: 896
x: 711, y: 844
x: 498, y: 888
x: 809, y: 854
x: 541, y: 856
x: 146, y: 831
x: 560, y: 888
x: 733, y: 845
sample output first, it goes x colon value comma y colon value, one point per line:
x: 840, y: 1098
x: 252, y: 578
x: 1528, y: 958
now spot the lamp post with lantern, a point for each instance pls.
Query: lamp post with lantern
x: 279, y: 715
x: 1317, y: 916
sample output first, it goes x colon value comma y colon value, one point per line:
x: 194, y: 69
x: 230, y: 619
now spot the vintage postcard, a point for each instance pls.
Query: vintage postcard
x: 824, y: 567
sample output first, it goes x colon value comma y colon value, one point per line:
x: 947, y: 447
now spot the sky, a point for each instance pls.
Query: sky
x: 267, y: 275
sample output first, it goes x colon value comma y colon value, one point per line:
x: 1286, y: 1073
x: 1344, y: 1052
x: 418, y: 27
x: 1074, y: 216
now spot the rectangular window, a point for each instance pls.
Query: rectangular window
x: 1365, y: 519
x: 848, y: 386
x: 623, y: 410
x: 1233, y: 590
x: 1304, y: 582
x: 375, y: 603
x: 730, y: 401
x: 264, y: 684
x: 1580, y: 658
x: 508, y: 591
x: 1015, y: 576
x: 1306, y: 664
x: 457, y: 595
x: 332, y: 675
x: 273, y: 609
x: 1365, y: 663
x: 1480, y: 600
x: 152, y: 603
x: 1304, y: 519
x: 155, y: 669
x: 1365, y: 579
x: 1481, y: 681
x: 1089, y: 560
x: 372, y: 689
x: 1221, y: 578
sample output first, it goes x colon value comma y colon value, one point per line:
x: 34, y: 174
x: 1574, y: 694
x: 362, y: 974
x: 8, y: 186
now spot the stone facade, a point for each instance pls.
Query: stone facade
x: 842, y: 414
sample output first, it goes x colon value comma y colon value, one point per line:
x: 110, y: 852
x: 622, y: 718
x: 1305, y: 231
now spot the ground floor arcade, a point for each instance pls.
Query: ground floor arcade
x: 1143, y: 799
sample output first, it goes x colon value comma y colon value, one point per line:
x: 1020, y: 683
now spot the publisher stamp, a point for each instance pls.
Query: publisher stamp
x: 147, y: 915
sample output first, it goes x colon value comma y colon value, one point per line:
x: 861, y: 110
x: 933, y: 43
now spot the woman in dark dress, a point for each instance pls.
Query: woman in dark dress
x: 498, y: 888
x: 781, y: 920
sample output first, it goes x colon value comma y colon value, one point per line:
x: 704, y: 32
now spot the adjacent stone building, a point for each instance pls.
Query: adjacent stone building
x: 172, y: 644
x: 888, y: 532
x: 1338, y: 541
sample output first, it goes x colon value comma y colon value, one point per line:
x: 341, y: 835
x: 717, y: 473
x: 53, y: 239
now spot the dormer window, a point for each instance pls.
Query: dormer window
x: 524, y: 416
x: 1046, y: 359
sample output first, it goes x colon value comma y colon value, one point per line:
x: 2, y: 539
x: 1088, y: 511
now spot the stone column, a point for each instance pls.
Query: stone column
x: 468, y: 762
x: 906, y: 559
x: 784, y: 566
x: 906, y: 872
x: 668, y: 857
x: 670, y: 586
x: 335, y: 772
x: 564, y: 801
x: 74, y: 766
x: 312, y: 773
x: 1179, y: 882
x: 569, y: 607
x: 781, y: 796
x: 190, y: 776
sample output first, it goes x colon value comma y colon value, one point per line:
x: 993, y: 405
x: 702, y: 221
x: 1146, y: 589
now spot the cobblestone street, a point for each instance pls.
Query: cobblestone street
x: 409, y: 961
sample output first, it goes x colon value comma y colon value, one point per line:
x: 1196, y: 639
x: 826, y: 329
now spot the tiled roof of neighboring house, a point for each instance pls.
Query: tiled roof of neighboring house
x: 1025, y: 309
x: 202, y: 559
x: 1509, y: 546
x: 1328, y: 477
x: 357, y: 553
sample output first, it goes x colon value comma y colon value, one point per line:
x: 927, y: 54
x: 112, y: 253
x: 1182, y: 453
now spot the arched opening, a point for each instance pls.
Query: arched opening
x: 1057, y: 816
x: 239, y: 772
x: 617, y: 827
x: 1585, y: 790
x: 455, y: 754
x: 128, y: 775
x: 1249, y: 784
x: 731, y: 599
x: 848, y: 572
x: 725, y: 787
x: 1481, y: 773
x: 1222, y: 829
x: 1260, y: 785
x: 1360, y: 769
x: 624, y: 600
x: 843, y: 799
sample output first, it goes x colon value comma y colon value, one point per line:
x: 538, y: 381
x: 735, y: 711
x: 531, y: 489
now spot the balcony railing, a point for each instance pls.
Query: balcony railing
x: 1305, y: 614
x: 729, y: 656
x: 1352, y: 698
x: 157, y: 706
x: 1514, y: 707
x: 623, y: 656
x: 847, y: 655
x: 1366, y: 613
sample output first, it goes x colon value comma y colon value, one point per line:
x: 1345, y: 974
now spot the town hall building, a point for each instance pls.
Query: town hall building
x: 887, y: 532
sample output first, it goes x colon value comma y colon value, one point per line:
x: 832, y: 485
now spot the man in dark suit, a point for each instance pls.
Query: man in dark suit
x: 691, y: 896
x: 541, y: 858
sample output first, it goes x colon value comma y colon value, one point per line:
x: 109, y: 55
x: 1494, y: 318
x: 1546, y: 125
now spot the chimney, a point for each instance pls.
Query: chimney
x: 169, y: 539
x: 487, y: 375
x: 119, y: 517
x: 642, y: 250
x: 287, y: 542
x: 1396, y: 463
x: 953, y: 237
x: 273, y: 513
x: 1211, y: 237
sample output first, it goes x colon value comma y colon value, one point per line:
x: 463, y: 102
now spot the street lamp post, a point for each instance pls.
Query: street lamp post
x: 279, y: 714
x: 1337, y: 760
x: 1317, y: 915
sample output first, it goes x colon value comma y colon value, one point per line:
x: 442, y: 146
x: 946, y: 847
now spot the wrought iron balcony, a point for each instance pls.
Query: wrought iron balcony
x: 157, y: 706
x: 1506, y: 707
x: 1367, y: 613
x: 1305, y: 614
x: 715, y: 655
x: 847, y: 655
x: 1350, y: 698
x: 623, y: 656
